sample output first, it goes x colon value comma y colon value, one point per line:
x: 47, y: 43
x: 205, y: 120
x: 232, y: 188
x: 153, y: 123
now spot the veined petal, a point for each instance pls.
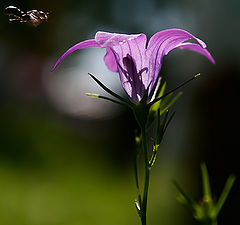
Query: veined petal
x: 170, y: 38
x: 110, y: 60
x: 161, y: 43
x: 138, y: 66
x: 81, y: 45
x: 125, y: 51
x: 106, y: 39
x: 197, y: 48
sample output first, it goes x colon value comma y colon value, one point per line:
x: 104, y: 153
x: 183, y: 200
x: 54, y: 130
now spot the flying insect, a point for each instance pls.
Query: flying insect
x: 33, y: 17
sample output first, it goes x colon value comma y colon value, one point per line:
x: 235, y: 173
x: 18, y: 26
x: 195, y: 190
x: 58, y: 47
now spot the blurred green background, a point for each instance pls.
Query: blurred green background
x: 66, y: 159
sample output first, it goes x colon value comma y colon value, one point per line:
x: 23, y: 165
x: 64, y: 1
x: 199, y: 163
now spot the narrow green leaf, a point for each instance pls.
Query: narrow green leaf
x: 168, y: 122
x: 197, y: 75
x: 164, y: 100
x: 153, y: 113
x: 151, y: 118
x: 106, y: 98
x: 207, y: 195
x: 92, y: 95
x: 228, y: 185
x: 145, y: 96
x: 185, y: 200
x: 165, y: 119
x: 171, y: 91
x: 163, y: 109
x: 160, y: 126
x: 163, y: 105
x: 156, y: 106
x: 128, y: 103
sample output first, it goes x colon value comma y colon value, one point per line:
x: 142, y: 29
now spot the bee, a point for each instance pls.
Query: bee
x: 33, y: 17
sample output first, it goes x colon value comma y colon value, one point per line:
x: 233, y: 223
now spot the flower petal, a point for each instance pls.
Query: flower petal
x: 106, y: 39
x: 81, y: 45
x: 168, y: 39
x: 162, y: 43
x: 197, y: 48
x: 120, y: 49
x: 110, y: 60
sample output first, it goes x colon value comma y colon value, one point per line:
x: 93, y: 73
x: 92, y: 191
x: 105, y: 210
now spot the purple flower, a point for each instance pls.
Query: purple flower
x: 137, y: 64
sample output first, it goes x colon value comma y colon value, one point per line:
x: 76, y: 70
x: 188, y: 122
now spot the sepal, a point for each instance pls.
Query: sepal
x: 162, y: 105
x: 104, y: 97
x: 173, y: 90
x: 123, y: 100
x: 162, y: 125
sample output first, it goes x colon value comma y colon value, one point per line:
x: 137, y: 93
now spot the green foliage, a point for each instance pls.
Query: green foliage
x: 206, y: 211
x: 162, y: 105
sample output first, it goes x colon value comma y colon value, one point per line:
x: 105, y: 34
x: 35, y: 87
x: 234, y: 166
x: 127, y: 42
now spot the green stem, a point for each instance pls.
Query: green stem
x: 136, y: 179
x: 146, y: 180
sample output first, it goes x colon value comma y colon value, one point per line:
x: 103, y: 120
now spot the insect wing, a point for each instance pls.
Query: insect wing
x: 13, y: 11
x: 32, y: 17
x: 37, y: 17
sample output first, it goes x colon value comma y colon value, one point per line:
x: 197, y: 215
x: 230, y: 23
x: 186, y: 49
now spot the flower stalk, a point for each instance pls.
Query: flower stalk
x: 147, y: 176
x: 141, y: 113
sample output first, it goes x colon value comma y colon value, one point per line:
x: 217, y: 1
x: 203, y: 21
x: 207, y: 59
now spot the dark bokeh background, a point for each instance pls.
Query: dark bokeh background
x: 66, y: 159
